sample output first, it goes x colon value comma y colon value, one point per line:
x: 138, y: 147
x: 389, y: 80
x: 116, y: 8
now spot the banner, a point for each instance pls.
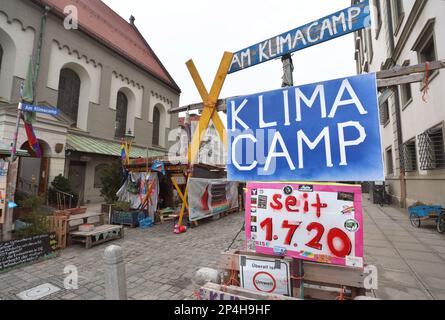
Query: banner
x: 327, y: 131
x: 209, y: 197
x: 314, y: 222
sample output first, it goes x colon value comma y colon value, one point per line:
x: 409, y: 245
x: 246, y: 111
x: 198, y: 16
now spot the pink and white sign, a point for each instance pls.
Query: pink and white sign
x: 314, y: 222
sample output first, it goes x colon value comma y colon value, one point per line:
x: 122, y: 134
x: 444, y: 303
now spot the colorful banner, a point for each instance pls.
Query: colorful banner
x: 327, y: 131
x: 209, y: 197
x: 314, y: 222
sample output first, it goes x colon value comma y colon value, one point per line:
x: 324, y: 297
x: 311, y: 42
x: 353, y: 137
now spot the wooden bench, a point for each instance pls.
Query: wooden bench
x: 98, y: 236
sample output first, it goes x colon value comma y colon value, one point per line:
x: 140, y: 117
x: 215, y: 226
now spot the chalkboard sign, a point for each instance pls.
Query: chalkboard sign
x: 28, y: 250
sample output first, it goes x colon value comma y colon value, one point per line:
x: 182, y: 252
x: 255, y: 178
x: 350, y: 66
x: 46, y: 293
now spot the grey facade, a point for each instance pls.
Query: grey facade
x: 103, y: 72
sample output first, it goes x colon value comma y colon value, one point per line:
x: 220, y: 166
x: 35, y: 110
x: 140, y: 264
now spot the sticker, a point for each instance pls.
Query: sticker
x: 348, y: 210
x: 252, y: 210
x: 288, y: 190
x: 306, y: 188
x: 253, y: 218
x: 262, y: 202
x: 253, y: 229
x: 254, y: 192
x: 355, y: 262
x: 345, y: 196
x: 352, y: 225
x: 253, y: 200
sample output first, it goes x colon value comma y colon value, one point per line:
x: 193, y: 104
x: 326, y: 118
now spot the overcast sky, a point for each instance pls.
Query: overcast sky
x: 203, y: 29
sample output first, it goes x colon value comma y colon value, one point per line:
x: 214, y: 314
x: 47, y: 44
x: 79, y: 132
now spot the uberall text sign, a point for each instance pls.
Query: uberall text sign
x: 318, y: 132
x: 338, y: 24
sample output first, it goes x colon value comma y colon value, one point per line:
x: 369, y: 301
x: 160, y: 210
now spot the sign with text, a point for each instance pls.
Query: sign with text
x: 39, y: 109
x: 314, y: 222
x: 338, y: 24
x: 28, y: 250
x: 327, y: 131
x: 266, y: 275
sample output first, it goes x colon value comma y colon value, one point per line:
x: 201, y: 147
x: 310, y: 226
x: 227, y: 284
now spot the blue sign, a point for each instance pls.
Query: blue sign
x: 338, y: 24
x: 327, y: 131
x: 39, y: 109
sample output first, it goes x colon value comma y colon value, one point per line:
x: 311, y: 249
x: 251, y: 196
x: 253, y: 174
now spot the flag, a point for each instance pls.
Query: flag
x: 158, y: 166
x: 32, y: 139
x: 28, y: 88
x: 123, y: 152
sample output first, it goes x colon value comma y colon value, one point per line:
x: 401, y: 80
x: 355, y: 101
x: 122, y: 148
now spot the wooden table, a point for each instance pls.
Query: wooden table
x: 99, y: 235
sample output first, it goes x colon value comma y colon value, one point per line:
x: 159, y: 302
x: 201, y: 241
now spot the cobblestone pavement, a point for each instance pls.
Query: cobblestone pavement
x: 160, y: 264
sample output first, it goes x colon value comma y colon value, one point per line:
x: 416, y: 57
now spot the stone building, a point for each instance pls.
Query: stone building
x: 409, y: 32
x: 103, y: 76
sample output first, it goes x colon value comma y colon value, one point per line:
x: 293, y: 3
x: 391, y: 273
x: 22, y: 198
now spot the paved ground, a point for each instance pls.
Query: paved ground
x: 160, y: 265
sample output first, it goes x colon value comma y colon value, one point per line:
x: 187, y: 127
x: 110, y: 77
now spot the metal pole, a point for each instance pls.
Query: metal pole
x: 288, y: 69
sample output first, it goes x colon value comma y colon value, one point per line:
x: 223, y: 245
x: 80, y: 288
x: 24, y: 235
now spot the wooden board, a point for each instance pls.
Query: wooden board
x: 211, y: 291
x: 321, y: 281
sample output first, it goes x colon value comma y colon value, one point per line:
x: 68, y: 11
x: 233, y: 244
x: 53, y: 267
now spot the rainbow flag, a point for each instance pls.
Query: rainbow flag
x: 123, y: 152
x: 32, y: 139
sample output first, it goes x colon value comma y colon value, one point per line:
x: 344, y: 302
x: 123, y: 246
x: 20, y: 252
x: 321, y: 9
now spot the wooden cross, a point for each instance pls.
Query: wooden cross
x: 209, y: 112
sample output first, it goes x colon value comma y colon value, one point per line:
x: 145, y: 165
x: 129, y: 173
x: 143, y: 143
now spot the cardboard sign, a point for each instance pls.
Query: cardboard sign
x: 266, y: 275
x: 326, y: 131
x: 314, y: 222
x: 338, y: 24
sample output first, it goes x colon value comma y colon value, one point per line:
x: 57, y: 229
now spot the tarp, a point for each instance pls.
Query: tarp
x: 135, y: 189
x: 209, y: 197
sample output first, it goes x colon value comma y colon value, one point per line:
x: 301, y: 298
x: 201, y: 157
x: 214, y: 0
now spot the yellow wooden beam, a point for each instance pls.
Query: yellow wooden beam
x: 210, y: 101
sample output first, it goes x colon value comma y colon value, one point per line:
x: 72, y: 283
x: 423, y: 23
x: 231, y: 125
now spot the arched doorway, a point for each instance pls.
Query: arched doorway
x: 33, y: 172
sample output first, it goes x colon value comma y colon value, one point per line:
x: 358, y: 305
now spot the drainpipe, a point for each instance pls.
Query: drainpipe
x: 398, y: 119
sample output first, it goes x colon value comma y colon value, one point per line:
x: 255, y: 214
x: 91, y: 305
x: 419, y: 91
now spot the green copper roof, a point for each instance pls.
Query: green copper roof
x: 99, y: 146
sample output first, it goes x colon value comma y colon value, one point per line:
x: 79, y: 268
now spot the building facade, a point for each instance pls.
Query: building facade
x: 103, y: 76
x: 404, y: 33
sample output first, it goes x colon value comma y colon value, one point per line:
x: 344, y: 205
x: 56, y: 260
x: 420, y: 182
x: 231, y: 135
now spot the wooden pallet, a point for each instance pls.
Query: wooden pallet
x: 88, y: 238
x: 321, y: 281
x: 59, y: 225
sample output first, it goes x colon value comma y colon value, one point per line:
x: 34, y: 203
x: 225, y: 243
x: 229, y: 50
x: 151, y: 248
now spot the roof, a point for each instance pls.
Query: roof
x: 104, y: 147
x: 105, y: 25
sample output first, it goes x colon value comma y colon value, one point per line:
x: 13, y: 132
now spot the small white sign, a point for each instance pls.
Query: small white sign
x: 266, y: 275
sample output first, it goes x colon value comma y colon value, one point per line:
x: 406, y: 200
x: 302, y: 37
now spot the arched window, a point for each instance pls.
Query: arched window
x: 121, y: 115
x: 69, y: 91
x: 1, y: 57
x: 156, y: 126
x: 99, y: 173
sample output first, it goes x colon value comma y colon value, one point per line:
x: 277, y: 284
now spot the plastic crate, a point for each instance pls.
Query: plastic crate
x: 126, y: 218
x: 425, y: 211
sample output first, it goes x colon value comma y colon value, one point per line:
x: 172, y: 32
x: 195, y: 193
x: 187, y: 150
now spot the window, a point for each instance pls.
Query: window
x: 389, y: 163
x: 69, y: 91
x: 425, y: 45
x: 384, y: 113
x: 409, y: 156
x: 378, y: 9
x: 431, y: 149
x: 1, y: 57
x: 99, y: 173
x: 398, y: 14
x: 156, y: 126
x: 405, y: 91
x: 121, y: 115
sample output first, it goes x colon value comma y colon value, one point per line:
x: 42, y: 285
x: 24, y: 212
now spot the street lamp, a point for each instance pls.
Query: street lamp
x: 129, y: 137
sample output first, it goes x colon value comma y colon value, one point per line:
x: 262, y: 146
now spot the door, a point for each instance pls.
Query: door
x: 43, y: 181
x: 76, y: 177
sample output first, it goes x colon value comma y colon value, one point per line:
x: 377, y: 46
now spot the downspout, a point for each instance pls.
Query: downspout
x: 397, y: 109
